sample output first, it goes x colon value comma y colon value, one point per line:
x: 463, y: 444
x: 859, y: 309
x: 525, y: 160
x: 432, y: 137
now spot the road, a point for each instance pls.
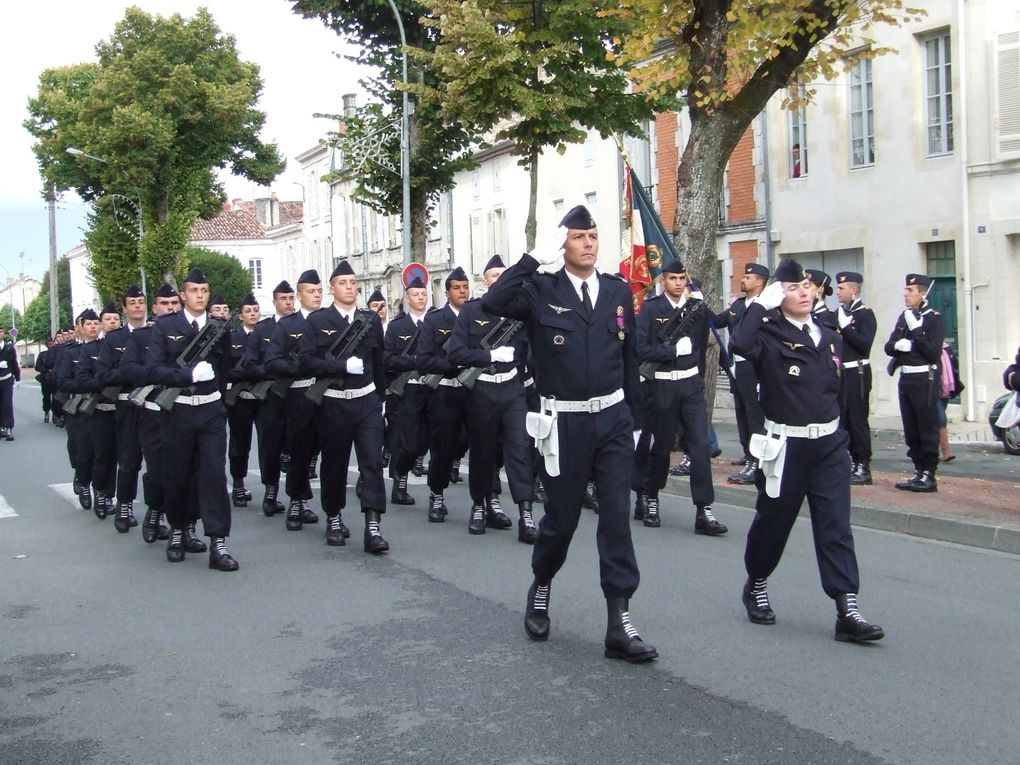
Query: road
x: 313, y: 654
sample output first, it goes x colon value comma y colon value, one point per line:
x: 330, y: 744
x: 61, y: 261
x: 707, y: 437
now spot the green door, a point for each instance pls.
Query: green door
x: 942, y: 298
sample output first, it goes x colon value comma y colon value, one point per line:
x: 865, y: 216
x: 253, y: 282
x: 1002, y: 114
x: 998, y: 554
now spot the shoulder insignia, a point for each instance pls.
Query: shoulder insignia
x: 480, y: 322
x: 794, y: 370
x: 560, y: 309
x: 612, y: 276
x: 325, y: 332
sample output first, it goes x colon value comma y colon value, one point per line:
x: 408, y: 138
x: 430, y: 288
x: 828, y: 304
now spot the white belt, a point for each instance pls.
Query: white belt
x: 529, y: 382
x: 152, y: 406
x: 502, y: 377
x: 106, y: 407
x: 912, y: 369
x: 592, y: 405
x: 414, y: 381
x: 855, y: 364
x: 349, y: 394
x: 813, y: 431
x: 737, y: 358
x: 123, y: 396
x: 6, y: 377
x: 677, y: 374
x: 302, y: 383
x: 247, y: 395
x: 450, y: 382
x: 197, y: 400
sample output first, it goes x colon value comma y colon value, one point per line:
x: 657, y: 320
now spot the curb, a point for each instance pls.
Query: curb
x: 925, y: 525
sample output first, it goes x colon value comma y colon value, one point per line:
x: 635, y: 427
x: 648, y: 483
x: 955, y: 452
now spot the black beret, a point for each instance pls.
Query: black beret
x: 849, y: 276
x: 376, y: 296
x: 578, y: 218
x: 790, y: 270
x: 133, y: 292
x: 167, y: 291
x: 87, y: 315
x: 758, y: 269
x: 195, y: 276
x: 819, y: 279
x: 343, y: 268
x: 456, y: 275
x: 109, y: 308
x: 919, y: 280
x: 415, y: 284
x: 673, y: 266
x: 218, y: 300
x: 283, y: 288
x: 249, y: 299
x: 494, y: 262
x: 311, y: 276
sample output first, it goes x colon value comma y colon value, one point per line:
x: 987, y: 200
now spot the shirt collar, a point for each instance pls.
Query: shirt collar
x: 303, y: 312
x: 681, y: 304
x: 201, y: 318
x: 576, y: 281
x: 345, y: 314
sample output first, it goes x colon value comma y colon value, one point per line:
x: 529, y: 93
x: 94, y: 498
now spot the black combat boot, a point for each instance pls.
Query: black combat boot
x: 374, y: 542
x: 495, y: 518
x: 455, y: 472
x: 850, y: 625
x: 861, y: 475
x: 476, y: 524
x: 219, y: 557
x: 746, y: 476
x: 312, y: 475
x: 239, y: 495
x: 622, y: 638
x: 150, y: 526
x: 399, y: 495
x: 123, y: 520
x: 908, y: 485
x: 526, y: 531
x: 640, y: 505
x: 85, y: 497
x: 536, y: 612
x: 683, y: 467
x: 294, y: 515
x: 437, y: 508
x: 191, y: 541
x: 925, y: 483
x: 164, y: 527
x: 705, y: 523
x: 46, y: 417
x: 385, y: 457
x: 307, y: 514
x: 335, y: 531
x: 100, y: 506
x: 591, y: 497
x: 539, y: 491
x: 755, y: 598
x: 270, y: 505
x: 175, y: 547
x: 651, y: 519
x: 419, y: 467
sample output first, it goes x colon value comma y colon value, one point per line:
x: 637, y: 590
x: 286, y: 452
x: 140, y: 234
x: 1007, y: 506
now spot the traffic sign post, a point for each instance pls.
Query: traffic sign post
x: 414, y: 271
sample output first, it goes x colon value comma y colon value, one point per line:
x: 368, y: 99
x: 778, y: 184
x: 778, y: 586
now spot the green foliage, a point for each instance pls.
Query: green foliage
x: 37, y: 313
x: 226, y: 275
x: 11, y: 317
x: 166, y: 103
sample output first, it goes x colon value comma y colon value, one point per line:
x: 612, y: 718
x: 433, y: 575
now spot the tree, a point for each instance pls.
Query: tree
x: 438, y: 148
x: 226, y: 275
x: 535, y: 73
x: 11, y: 317
x: 166, y: 103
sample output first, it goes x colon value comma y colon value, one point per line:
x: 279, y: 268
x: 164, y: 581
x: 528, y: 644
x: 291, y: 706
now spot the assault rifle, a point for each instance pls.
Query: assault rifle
x: 401, y: 380
x: 344, y: 345
x: 672, y: 331
x: 107, y: 395
x: 201, y: 345
x: 502, y: 334
x: 432, y: 378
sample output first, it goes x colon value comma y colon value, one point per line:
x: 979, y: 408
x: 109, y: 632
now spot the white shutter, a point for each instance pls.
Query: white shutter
x: 1007, y: 65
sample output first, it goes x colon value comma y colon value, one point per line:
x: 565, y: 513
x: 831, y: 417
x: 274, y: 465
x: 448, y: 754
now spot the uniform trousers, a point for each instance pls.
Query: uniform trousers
x: 750, y: 418
x: 150, y: 438
x: 241, y: 417
x: 104, y: 438
x: 7, y: 403
x: 80, y: 447
x: 47, y: 396
x: 682, y: 402
x: 409, y: 428
x: 269, y: 424
x: 348, y: 423
x: 497, y: 413
x: 819, y: 470
x: 391, y: 411
x: 446, y: 411
x: 919, y: 410
x: 599, y: 445
x: 300, y: 440
x: 534, y: 404
x: 194, y: 454
x: 129, y: 450
x: 856, y: 408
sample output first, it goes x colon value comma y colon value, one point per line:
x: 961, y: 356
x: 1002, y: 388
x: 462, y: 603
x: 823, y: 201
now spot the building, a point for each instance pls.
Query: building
x: 18, y: 292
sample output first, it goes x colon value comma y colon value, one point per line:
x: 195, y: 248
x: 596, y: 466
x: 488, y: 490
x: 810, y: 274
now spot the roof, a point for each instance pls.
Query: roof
x: 238, y: 221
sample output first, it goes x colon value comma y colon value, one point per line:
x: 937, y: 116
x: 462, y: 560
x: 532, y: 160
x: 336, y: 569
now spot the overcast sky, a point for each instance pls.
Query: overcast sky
x: 300, y: 72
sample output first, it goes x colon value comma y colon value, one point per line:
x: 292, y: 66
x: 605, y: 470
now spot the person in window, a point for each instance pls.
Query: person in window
x: 795, y: 157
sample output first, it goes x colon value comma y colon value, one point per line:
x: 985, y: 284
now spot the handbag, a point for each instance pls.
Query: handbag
x: 1010, y: 414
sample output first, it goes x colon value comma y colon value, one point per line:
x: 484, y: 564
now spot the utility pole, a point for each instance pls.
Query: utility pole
x: 53, y: 260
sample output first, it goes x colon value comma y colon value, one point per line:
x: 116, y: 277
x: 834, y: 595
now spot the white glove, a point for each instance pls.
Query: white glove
x: 550, y: 248
x: 697, y: 294
x: 844, y: 319
x: 3, y: 365
x: 771, y: 296
x: 503, y: 353
x: 637, y: 437
x: 684, y: 347
x: 355, y: 366
x: 912, y: 321
x: 203, y: 372
x: 904, y: 345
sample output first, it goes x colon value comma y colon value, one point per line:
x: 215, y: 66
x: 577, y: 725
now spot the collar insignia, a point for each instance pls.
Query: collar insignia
x: 662, y: 319
x: 404, y: 337
x: 236, y: 346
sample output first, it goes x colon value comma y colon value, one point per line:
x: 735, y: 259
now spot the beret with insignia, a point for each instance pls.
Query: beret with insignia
x: 578, y: 218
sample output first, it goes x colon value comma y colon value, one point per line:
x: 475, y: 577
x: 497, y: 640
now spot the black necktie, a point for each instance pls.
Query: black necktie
x: 194, y: 324
x: 808, y: 333
x: 586, y: 299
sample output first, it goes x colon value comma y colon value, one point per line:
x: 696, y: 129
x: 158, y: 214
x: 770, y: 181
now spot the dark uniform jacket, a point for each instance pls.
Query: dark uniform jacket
x: 254, y: 358
x: 171, y: 335
x: 44, y: 366
x: 799, y: 383
x: 111, y: 357
x: 576, y: 358
x: 398, y: 334
x: 927, y: 340
x: 322, y: 328
x: 435, y: 332
x: 132, y: 364
x: 87, y: 370
x: 471, y: 327
x: 63, y: 367
x: 9, y: 354
x: 281, y: 357
x: 825, y: 316
x: 859, y: 334
x: 656, y: 313
x: 239, y: 340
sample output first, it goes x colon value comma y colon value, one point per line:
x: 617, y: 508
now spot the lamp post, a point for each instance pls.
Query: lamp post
x: 137, y: 201
x: 405, y: 141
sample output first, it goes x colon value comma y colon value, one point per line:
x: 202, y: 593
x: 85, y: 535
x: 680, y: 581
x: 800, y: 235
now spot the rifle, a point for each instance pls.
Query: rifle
x: 107, y: 395
x: 672, y: 331
x: 139, y: 394
x: 894, y: 362
x: 400, y: 381
x: 725, y: 360
x: 344, y: 345
x: 201, y: 345
x: 432, y: 378
x: 501, y: 334
x: 74, y: 402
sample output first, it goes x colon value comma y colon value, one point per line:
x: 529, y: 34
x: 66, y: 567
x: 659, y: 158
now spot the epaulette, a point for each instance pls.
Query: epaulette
x: 650, y: 298
x: 268, y: 318
x: 615, y: 276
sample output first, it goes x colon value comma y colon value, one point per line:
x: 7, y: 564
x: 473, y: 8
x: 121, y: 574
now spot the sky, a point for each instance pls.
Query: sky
x: 300, y: 71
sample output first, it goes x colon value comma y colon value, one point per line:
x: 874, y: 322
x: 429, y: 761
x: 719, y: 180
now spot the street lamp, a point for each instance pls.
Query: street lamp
x: 405, y: 141
x: 137, y: 201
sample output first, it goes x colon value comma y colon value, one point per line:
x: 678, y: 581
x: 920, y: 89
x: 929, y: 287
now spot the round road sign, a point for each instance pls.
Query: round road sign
x: 414, y: 271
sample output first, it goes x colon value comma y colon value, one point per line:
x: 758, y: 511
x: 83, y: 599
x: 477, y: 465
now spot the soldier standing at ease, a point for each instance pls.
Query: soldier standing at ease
x: 822, y: 284
x: 10, y: 373
x: 803, y: 452
x: 243, y: 410
x: 858, y: 326
x: 916, y: 348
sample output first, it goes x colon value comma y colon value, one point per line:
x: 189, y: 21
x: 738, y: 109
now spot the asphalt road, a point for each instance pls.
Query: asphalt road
x: 309, y: 654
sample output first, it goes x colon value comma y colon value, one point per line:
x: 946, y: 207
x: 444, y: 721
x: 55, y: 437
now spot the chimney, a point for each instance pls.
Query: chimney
x: 350, y: 101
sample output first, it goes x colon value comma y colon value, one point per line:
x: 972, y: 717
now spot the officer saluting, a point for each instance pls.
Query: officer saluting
x: 803, y: 451
x: 858, y: 326
x: 581, y: 326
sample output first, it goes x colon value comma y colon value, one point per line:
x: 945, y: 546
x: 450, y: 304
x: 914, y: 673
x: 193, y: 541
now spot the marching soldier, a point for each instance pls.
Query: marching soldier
x: 677, y: 393
x: 581, y: 327
x: 195, y: 430
x: 218, y: 307
x: 343, y: 344
x: 243, y: 409
x: 10, y: 373
x: 915, y: 346
x: 750, y: 419
x: 80, y: 449
x: 803, y: 451
x: 377, y: 304
x: 858, y: 326
x: 496, y: 410
x: 103, y: 416
x: 299, y: 435
x: 43, y: 367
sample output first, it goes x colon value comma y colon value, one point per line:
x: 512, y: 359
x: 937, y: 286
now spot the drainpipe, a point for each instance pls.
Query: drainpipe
x: 767, y: 183
x: 961, y: 132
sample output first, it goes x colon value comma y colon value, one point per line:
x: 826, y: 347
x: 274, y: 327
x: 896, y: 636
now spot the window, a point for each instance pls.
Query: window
x: 862, y: 116
x: 941, y: 257
x: 1007, y: 77
x: 497, y: 176
x: 255, y: 272
x: 476, y: 184
x: 373, y: 231
x: 591, y: 201
x: 498, y: 232
x: 938, y: 84
x: 798, y: 136
x: 558, y: 207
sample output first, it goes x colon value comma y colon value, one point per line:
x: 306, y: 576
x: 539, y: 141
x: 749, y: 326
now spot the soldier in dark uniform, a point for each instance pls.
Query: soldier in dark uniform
x: 496, y: 410
x: 80, y: 449
x: 377, y: 304
x: 243, y: 409
x: 916, y: 348
x: 89, y: 374
x: 822, y: 284
x: 43, y: 366
x: 750, y: 419
x: 677, y: 395
x: 299, y: 435
x: 219, y: 308
x: 269, y: 423
x: 581, y: 327
x: 10, y: 373
x: 406, y: 409
x: 195, y: 430
x: 351, y: 409
x: 127, y: 415
x: 858, y: 326
x: 803, y: 451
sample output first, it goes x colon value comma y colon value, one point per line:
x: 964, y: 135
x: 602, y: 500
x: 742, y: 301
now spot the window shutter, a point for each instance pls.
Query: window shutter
x: 1008, y: 91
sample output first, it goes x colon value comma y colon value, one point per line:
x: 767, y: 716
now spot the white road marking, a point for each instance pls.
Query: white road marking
x: 66, y: 490
x: 6, y: 511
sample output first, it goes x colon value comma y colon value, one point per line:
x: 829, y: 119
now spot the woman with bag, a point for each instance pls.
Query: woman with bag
x: 951, y: 388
